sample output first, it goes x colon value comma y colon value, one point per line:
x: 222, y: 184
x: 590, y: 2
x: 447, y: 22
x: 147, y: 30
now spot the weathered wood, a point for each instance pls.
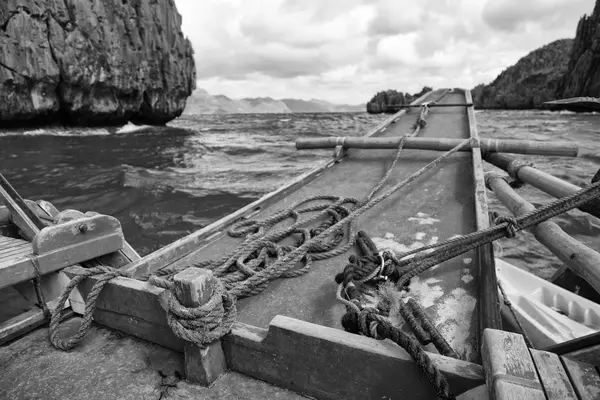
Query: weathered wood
x: 193, y: 288
x: 552, y: 185
x: 26, y: 322
x: 489, y: 303
x: 59, y: 246
x: 288, y: 352
x: 186, y: 245
x: 584, y: 378
x: 478, y: 393
x: 590, y: 355
x: 566, y: 149
x: 328, y: 363
x: 578, y: 257
x: 553, y: 376
x: 20, y: 213
x: 509, y: 370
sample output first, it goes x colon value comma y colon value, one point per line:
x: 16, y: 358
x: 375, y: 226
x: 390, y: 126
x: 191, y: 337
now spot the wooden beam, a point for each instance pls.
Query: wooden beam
x: 553, y: 376
x: 184, y: 246
x: 584, y: 377
x: 578, y: 257
x: 60, y: 246
x: 301, y: 356
x: 510, y: 373
x: 194, y: 287
x: 21, y: 215
x: 432, y: 105
x: 27, y: 321
x: 565, y: 149
x: 489, y: 303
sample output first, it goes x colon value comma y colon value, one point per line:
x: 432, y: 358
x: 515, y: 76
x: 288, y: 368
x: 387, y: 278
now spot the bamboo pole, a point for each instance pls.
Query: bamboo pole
x: 552, y: 185
x: 566, y: 149
x: 430, y: 105
x: 578, y: 257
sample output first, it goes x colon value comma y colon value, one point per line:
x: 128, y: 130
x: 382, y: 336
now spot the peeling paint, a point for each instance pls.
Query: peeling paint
x: 467, y: 260
x: 389, y: 235
x: 424, y: 219
x: 420, y: 235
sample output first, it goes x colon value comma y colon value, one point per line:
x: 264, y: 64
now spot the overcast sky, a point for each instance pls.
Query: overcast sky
x: 346, y: 50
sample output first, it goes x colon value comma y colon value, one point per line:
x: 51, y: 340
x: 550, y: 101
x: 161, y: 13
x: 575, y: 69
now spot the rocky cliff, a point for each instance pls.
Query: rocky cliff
x: 92, y: 62
x: 387, y: 101
x: 533, y: 80
x: 582, y: 77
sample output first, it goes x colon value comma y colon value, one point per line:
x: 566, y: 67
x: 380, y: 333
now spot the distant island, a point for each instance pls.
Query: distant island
x: 384, y: 102
x: 202, y: 102
x: 561, y: 69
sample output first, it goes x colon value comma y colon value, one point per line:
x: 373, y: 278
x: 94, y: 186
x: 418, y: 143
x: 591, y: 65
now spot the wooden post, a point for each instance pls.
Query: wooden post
x: 578, y: 257
x: 193, y: 288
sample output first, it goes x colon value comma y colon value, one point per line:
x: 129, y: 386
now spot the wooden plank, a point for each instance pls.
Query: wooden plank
x: 584, y: 378
x: 293, y: 353
x: 328, y: 363
x: 21, y: 215
x: 194, y: 287
x: 15, y: 252
x: 509, y: 370
x: 564, y: 149
x: 589, y: 355
x: 577, y: 256
x: 553, y: 376
x: 478, y: 393
x: 26, y: 322
x: 63, y: 245
x: 489, y: 303
x: 184, y: 246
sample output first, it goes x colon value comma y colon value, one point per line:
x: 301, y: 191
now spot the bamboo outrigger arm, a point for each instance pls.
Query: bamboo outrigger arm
x: 578, y: 257
x: 552, y: 185
x: 565, y: 149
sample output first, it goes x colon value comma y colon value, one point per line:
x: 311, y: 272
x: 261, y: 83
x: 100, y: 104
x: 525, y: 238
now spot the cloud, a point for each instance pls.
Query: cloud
x: 345, y: 50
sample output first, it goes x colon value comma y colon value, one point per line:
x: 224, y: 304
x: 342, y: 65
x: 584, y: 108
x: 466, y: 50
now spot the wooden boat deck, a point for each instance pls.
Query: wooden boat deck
x: 435, y: 207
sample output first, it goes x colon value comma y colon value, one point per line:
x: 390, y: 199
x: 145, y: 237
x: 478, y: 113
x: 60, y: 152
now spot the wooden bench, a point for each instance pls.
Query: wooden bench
x: 514, y: 371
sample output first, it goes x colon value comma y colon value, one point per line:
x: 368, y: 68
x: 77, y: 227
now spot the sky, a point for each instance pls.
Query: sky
x: 344, y: 51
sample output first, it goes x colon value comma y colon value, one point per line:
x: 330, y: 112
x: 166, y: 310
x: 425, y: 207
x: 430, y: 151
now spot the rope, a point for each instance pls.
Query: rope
x: 453, y: 247
x: 200, y: 325
x: 372, y: 325
x: 515, y: 316
x: 102, y: 274
x: 37, y: 284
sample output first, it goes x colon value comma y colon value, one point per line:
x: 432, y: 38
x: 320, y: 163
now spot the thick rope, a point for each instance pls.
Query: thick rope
x: 373, y: 325
x: 453, y: 247
x: 200, y: 325
x: 37, y: 284
x: 102, y: 274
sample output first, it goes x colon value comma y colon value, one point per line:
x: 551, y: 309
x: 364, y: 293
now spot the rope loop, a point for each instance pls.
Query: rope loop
x: 103, y: 274
x: 204, y: 324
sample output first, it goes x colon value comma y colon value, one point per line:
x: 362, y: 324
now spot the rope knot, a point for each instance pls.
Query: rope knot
x: 511, y: 225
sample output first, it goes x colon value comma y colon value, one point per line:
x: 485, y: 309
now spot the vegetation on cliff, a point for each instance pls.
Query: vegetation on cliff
x: 387, y: 101
x: 92, y: 62
x: 582, y: 77
x: 533, y: 80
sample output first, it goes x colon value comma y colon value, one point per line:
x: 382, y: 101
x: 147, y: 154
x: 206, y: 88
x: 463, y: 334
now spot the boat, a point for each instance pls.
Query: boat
x: 386, y: 288
x: 547, y: 313
x: 575, y: 104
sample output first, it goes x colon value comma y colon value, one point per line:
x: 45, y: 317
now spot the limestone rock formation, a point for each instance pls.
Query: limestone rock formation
x: 582, y: 77
x: 92, y: 62
x: 387, y: 101
x: 533, y: 80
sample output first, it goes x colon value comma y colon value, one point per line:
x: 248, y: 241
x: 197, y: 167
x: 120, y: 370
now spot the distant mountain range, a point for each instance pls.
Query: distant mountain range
x: 202, y: 102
